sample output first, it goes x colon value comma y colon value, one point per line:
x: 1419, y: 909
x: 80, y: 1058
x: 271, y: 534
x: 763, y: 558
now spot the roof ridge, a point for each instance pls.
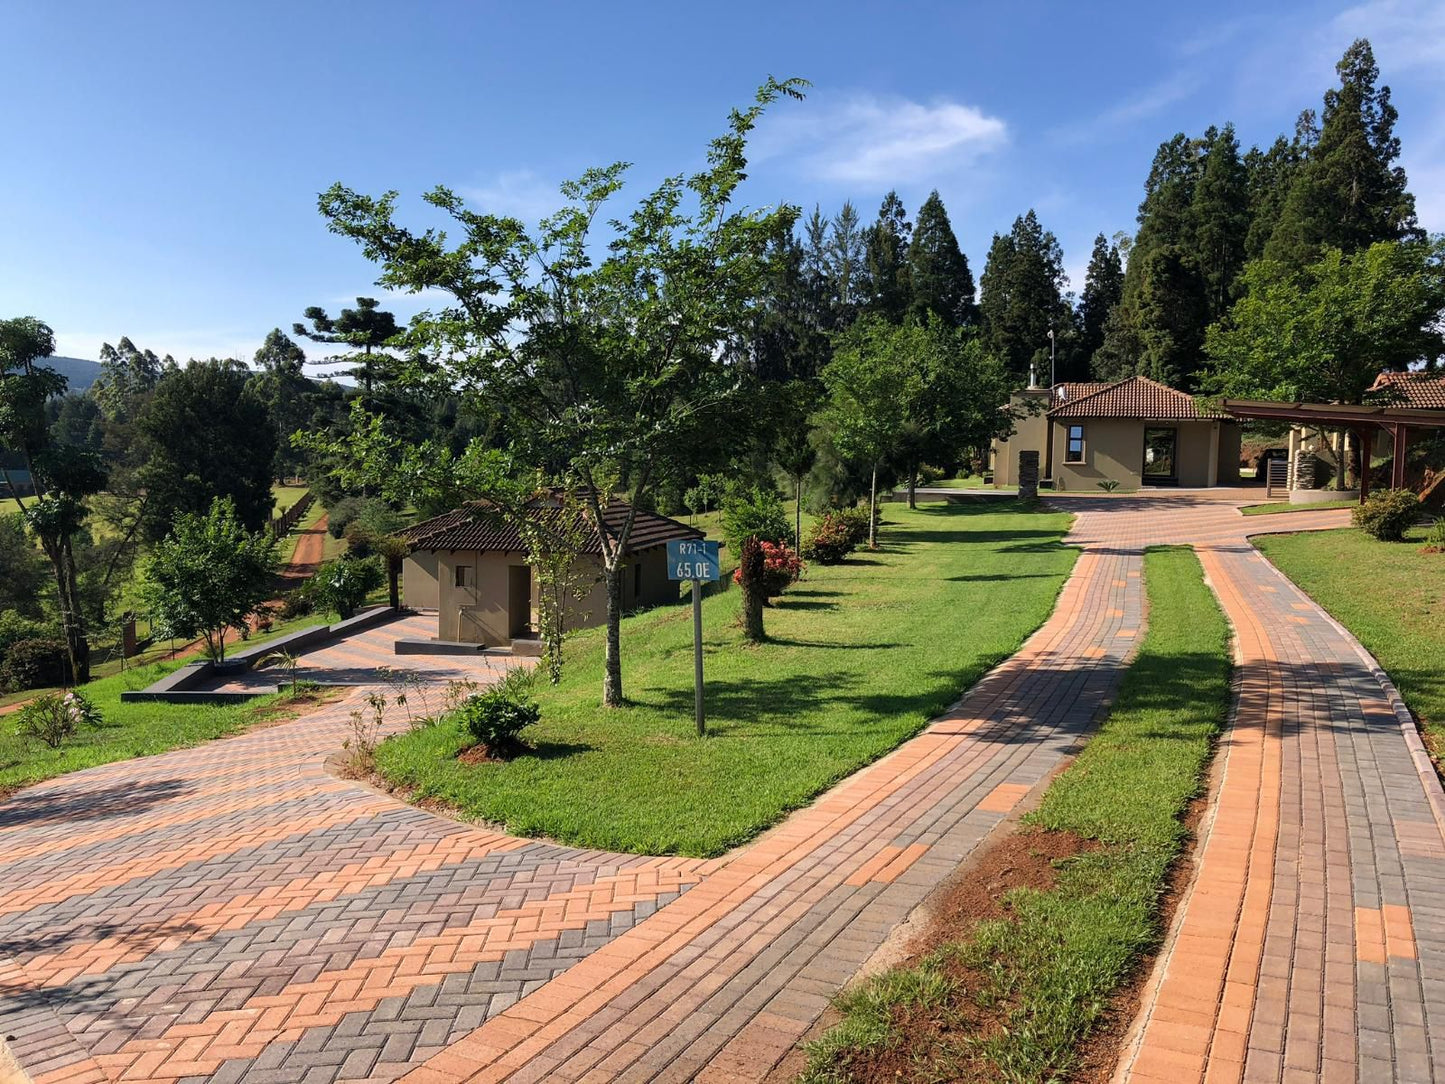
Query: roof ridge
x: 1107, y: 387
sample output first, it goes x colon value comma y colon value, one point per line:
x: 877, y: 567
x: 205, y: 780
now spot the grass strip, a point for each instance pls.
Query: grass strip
x: 1278, y: 507
x: 1041, y: 977
x: 861, y: 655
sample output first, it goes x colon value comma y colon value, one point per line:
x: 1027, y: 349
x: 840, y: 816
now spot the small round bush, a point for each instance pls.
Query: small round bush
x: 856, y: 521
x: 831, y: 540
x: 54, y: 717
x: 1387, y: 515
x: 782, y: 567
x: 496, y: 716
x: 342, y: 585
x: 35, y: 664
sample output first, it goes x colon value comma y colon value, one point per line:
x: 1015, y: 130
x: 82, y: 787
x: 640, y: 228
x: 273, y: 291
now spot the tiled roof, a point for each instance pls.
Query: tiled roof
x: 472, y: 529
x: 1135, y: 397
x: 1423, y: 391
x: 1068, y: 391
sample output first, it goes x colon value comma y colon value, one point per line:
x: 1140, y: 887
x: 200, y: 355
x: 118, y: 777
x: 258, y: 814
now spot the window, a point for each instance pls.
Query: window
x: 1074, y: 451
x: 461, y: 575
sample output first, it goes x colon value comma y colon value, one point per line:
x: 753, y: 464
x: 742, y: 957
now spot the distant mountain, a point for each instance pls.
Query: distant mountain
x: 78, y: 372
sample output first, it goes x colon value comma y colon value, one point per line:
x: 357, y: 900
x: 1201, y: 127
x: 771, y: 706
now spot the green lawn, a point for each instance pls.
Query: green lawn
x: 1043, y: 976
x: 286, y: 496
x: 1390, y: 595
x: 973, y: 481
x: 128, y: 730
x: 1285, y: 506
x: 862, y: 655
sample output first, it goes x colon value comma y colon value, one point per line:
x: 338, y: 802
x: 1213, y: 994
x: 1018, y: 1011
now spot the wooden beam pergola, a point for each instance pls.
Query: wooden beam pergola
x: 1359, y: 419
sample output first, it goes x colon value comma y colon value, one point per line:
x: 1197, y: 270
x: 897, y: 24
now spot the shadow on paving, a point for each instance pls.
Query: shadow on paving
x: 31, y: 807
x: 146, y: 935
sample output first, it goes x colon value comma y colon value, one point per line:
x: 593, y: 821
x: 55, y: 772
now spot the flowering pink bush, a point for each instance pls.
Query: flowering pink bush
x: 781, y: 567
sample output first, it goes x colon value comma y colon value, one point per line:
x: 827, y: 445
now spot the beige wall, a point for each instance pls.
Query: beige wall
x: 1208, y: 453
x: 478, y: 613
x: 419, y: 581
x: 1030, y: 434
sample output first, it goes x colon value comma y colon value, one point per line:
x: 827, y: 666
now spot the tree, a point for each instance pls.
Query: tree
x: 609, y: 365
x: 1348, y: 193
x: 127, y: 375
x: 22, y: 569
x: 870, y: 381
x: 62, y: 476
x: 938, y: 270
x: 1269, y: 175
x: 886, y: 257
x: 1023, y: 299
x: 1170, y: 311
x: 793, y: 449
x: 1103, y: 287
x: 849, y: 263
x: 367, y: 328
x: 207, y: 435
x: 1325, y: 333
x: 283, y: 387
x: 1221, y: 220
x: 209, y: 575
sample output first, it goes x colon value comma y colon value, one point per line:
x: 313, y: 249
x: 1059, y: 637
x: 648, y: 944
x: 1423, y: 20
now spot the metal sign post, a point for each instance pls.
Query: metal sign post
x: 695, y: 560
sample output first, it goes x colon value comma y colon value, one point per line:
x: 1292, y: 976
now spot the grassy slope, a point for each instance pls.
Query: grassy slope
x: 286, y: 496
x: 128, y: 730
x: 1053, y: 964
x: 862, y: 655
x: 1389, y: 594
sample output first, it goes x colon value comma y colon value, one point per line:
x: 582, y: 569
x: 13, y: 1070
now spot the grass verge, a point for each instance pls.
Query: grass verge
x: 128, y: 729
x: 1012, y: 997
x: 861, y: 656
x: 1390, y: 595
x: 1284, y: 506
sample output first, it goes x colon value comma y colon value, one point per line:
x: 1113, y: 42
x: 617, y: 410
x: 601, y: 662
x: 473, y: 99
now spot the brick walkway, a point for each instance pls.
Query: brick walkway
x: 233, y: 912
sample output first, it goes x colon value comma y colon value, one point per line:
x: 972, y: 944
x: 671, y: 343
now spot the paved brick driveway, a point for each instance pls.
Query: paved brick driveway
x: 235, y: 913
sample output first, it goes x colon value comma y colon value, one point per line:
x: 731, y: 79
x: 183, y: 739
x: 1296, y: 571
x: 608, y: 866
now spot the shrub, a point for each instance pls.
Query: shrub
x: 340, y: 515
x: 497, y: 715
x: 830, y: 540
x: 856, y: 522
x: 755, y: 512
x: 14, y: 627
x: 295, y: 603
x: 54, y: 717
x: 1386, y: 515
x: 34, y: 664
x: 781, y: 566
x: 1435, y: 540
x: 342, y: 585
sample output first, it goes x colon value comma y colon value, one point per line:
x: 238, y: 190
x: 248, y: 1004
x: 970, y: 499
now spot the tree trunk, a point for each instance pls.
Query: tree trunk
x: 873, y: 511
x: 612, y: 670
x: 798, y: 515
x: 750, y: 561
x: 913, y: 486
x: 77, y: 647
x: 393, y: 571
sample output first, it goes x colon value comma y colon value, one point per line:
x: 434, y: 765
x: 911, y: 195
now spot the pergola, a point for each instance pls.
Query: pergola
x: 1359, y: 419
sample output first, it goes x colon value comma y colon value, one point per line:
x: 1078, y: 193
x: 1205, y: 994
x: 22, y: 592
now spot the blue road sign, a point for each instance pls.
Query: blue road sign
x: 692, y: 559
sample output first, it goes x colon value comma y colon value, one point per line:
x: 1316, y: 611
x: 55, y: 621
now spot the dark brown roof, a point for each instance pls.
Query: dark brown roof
x: 1423, y: 391
x: 1135, y: 397
x: 472, y: 530
x: 1068, y: 391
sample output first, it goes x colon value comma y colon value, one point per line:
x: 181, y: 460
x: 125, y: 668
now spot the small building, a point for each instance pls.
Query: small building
x: 1135, y: 432
x: 472, y: 570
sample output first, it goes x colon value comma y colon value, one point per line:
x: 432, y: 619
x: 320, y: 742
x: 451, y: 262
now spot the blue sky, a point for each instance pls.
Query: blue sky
x: 162, y: 160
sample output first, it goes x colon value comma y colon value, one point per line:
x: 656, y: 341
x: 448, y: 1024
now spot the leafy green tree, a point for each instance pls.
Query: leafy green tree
x: 849, y: 265
x: 206, y: 435
x: 128, y: 375
x: 283, y: 387
x: 938, y: 273
x: 209, y: 575
x: 1325, y: 333
x: 1221, y: 220
x: 871, y: 381
x: 22, y: 569
x: 1171, y: 312
x: 794, y: 450
x: 886, y: 255
x: 1269, y: 176
x: 606, y: 364
x: 1103, y: 287
x: 1023, y: 300
x: 62, y: 476
x: 1350, y: 192
x: 367, y: 328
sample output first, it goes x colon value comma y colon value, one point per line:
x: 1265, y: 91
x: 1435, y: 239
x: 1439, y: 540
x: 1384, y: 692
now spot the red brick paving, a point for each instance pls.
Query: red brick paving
x: 155, y: 927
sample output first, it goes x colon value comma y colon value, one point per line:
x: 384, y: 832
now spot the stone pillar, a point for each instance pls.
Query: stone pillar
x: 1029, y: 473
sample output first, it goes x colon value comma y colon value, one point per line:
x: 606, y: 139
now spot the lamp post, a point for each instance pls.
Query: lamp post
x: 1053, y: 375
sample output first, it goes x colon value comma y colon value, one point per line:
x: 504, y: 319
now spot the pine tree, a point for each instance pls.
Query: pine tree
x: 1023, y: 300
x: 1349, y: 193
x: 941, y: 280
x: 849, y: 268
x: 1220, y: 210
x: 1103, y: 287
x: 1269, y: 175
x: 887, y: 244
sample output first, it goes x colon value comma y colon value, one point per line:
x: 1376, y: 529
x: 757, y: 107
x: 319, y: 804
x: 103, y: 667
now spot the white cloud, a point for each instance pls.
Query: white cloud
x: 521, y: 193
x: 868, y: 138
x: 1147, y: 103
x: 1405, y: 34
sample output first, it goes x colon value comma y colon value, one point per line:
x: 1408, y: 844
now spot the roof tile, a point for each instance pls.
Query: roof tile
x: 471, y: 529
x: 1134, y: 397
x: 1423, y: 391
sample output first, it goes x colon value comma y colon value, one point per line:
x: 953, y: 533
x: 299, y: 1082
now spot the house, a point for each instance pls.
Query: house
x: 472, y: 570
x: 1135, y: 432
